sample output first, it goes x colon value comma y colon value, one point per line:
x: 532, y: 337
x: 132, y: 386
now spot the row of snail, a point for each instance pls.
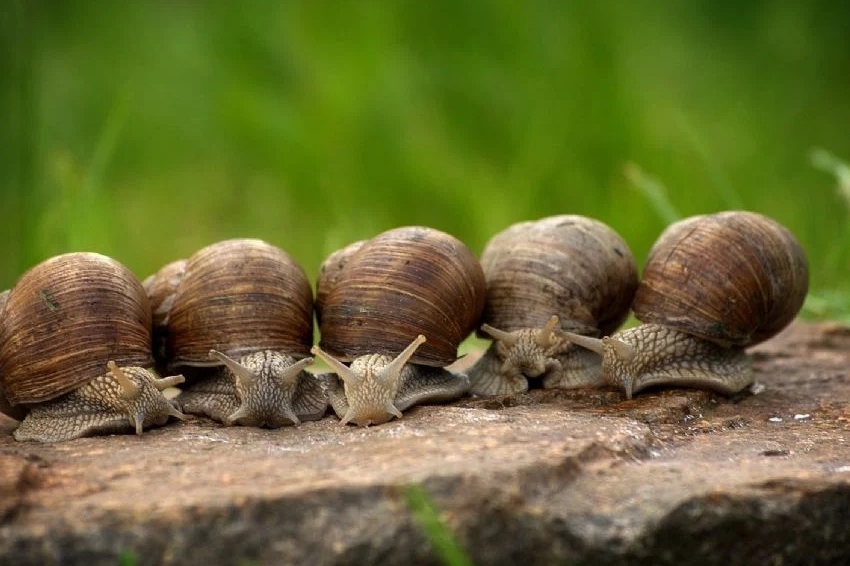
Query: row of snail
x: 83, y: 342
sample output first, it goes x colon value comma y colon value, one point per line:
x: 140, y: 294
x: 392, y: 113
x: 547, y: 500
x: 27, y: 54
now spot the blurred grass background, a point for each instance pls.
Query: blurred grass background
x: 147, y: 130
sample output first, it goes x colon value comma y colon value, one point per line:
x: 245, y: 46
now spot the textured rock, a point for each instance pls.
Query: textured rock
x: 575, y: 477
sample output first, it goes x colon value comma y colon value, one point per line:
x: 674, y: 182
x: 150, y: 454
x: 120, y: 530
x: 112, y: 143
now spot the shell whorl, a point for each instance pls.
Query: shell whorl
x: 402, y: 283
x: 239, y: 297
x: 571, y: 266
x: 65, y: 319
x: 735, y: 278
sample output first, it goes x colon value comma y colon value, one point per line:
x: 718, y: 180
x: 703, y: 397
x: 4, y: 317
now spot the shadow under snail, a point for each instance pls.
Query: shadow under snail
x: 245, y: 308
x: 396, y: 307
x: 75, y: 345
x: 712, y: 286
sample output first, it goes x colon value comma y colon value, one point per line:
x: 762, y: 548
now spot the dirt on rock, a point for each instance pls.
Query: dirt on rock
x: 570, y: 477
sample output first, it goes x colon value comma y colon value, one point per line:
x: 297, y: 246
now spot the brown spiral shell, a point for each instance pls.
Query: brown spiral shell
x: 572, y: 266
x: 238, y: 296
x: 329, y: 273
x: 65, y: 319
x: 736, y: 278
x: 402, y: 283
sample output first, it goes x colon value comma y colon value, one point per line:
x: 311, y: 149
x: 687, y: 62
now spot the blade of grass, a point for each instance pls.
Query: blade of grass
x: 428, y: 517
x: 654, y: 192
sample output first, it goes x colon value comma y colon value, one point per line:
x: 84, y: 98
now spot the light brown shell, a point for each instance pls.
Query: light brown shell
x: 402, y: 283
x: 161, y: 287
x: 330, y: 271
x: 733, y: 277
x: 572, y: 266
x: 65, y: 319
x: 239, y: 296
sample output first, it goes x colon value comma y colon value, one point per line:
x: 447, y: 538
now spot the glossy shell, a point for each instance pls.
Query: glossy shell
x: 571, y: 266
x: 65, y: 319
x: 239, y: 297
x: 732, y: 277
x: 329, y: 273
x: 402, y: 283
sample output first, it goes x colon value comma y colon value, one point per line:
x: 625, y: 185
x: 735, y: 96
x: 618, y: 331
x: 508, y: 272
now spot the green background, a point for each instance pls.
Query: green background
x: 146, y: 130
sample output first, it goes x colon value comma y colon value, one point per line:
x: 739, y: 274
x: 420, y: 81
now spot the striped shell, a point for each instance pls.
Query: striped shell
x: 571, y: 266
x: 237, y: 296
x: 402, y: 283
x: 65, y: 319
x: 736, y: 278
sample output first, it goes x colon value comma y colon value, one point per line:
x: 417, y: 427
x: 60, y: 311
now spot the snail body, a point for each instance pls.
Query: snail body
x: 712, y: 286
x: 75, y: 345
x: 396, y: 307
x: 244, y: 308
x: 545, y: 277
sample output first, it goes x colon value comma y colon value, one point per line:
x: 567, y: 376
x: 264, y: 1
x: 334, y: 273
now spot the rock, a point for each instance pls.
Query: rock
x: 576, y: 477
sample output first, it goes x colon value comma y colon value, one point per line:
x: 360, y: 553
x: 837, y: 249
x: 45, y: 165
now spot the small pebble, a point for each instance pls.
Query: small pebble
x: 775, y: 419
x: 802, y: 417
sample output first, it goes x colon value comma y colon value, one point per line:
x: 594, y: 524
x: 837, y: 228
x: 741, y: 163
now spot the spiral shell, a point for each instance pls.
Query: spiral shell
x: 65, y: 319
x: 735, y: 278
x: 239, y: 297
x: 568, y: 265
x: 402, y: 283
x: 329, y: 273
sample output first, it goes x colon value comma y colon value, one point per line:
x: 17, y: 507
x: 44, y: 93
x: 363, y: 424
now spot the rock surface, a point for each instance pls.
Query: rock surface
x: 569, y: 477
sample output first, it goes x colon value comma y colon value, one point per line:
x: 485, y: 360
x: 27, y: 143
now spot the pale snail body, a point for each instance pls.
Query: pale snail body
x: 245, y: 308
x: 545, y: 277
x: 713, y: 285
x: 75, y: 346
x: 396, y: 307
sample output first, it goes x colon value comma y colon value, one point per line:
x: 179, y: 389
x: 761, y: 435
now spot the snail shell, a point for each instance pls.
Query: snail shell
x: 712, y: 286
x: 63, y: 322
x: 398, y: 309
x: 404, y: 282
x: 571, y: 267
x: 735, y: 278
x: 248, y: 306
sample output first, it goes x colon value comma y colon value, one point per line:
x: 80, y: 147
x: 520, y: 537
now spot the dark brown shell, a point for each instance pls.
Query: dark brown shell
x: 239, y: 297
x: 402, y: 283
x: 733, y: 277
x: 330, y: 271
x: 572, y: 266
x: 65, y: 319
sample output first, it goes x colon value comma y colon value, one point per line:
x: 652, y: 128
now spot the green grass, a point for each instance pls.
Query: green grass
x: 427, y: 515
x: 148, y: 130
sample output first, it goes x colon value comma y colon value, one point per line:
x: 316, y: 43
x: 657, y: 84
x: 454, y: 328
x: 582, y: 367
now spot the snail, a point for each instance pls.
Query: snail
x: 396, y: 307
x: 712, y: 286
x: 245, y: 308
x: 544, y: 277
x: 75, y: 345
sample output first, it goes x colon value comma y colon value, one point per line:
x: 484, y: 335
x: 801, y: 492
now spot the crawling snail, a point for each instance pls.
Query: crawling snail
x: 561, y: 273
x: 244, y: 307
x: 75, y: 342
x: 712, y: 286
x: 397, y: 307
